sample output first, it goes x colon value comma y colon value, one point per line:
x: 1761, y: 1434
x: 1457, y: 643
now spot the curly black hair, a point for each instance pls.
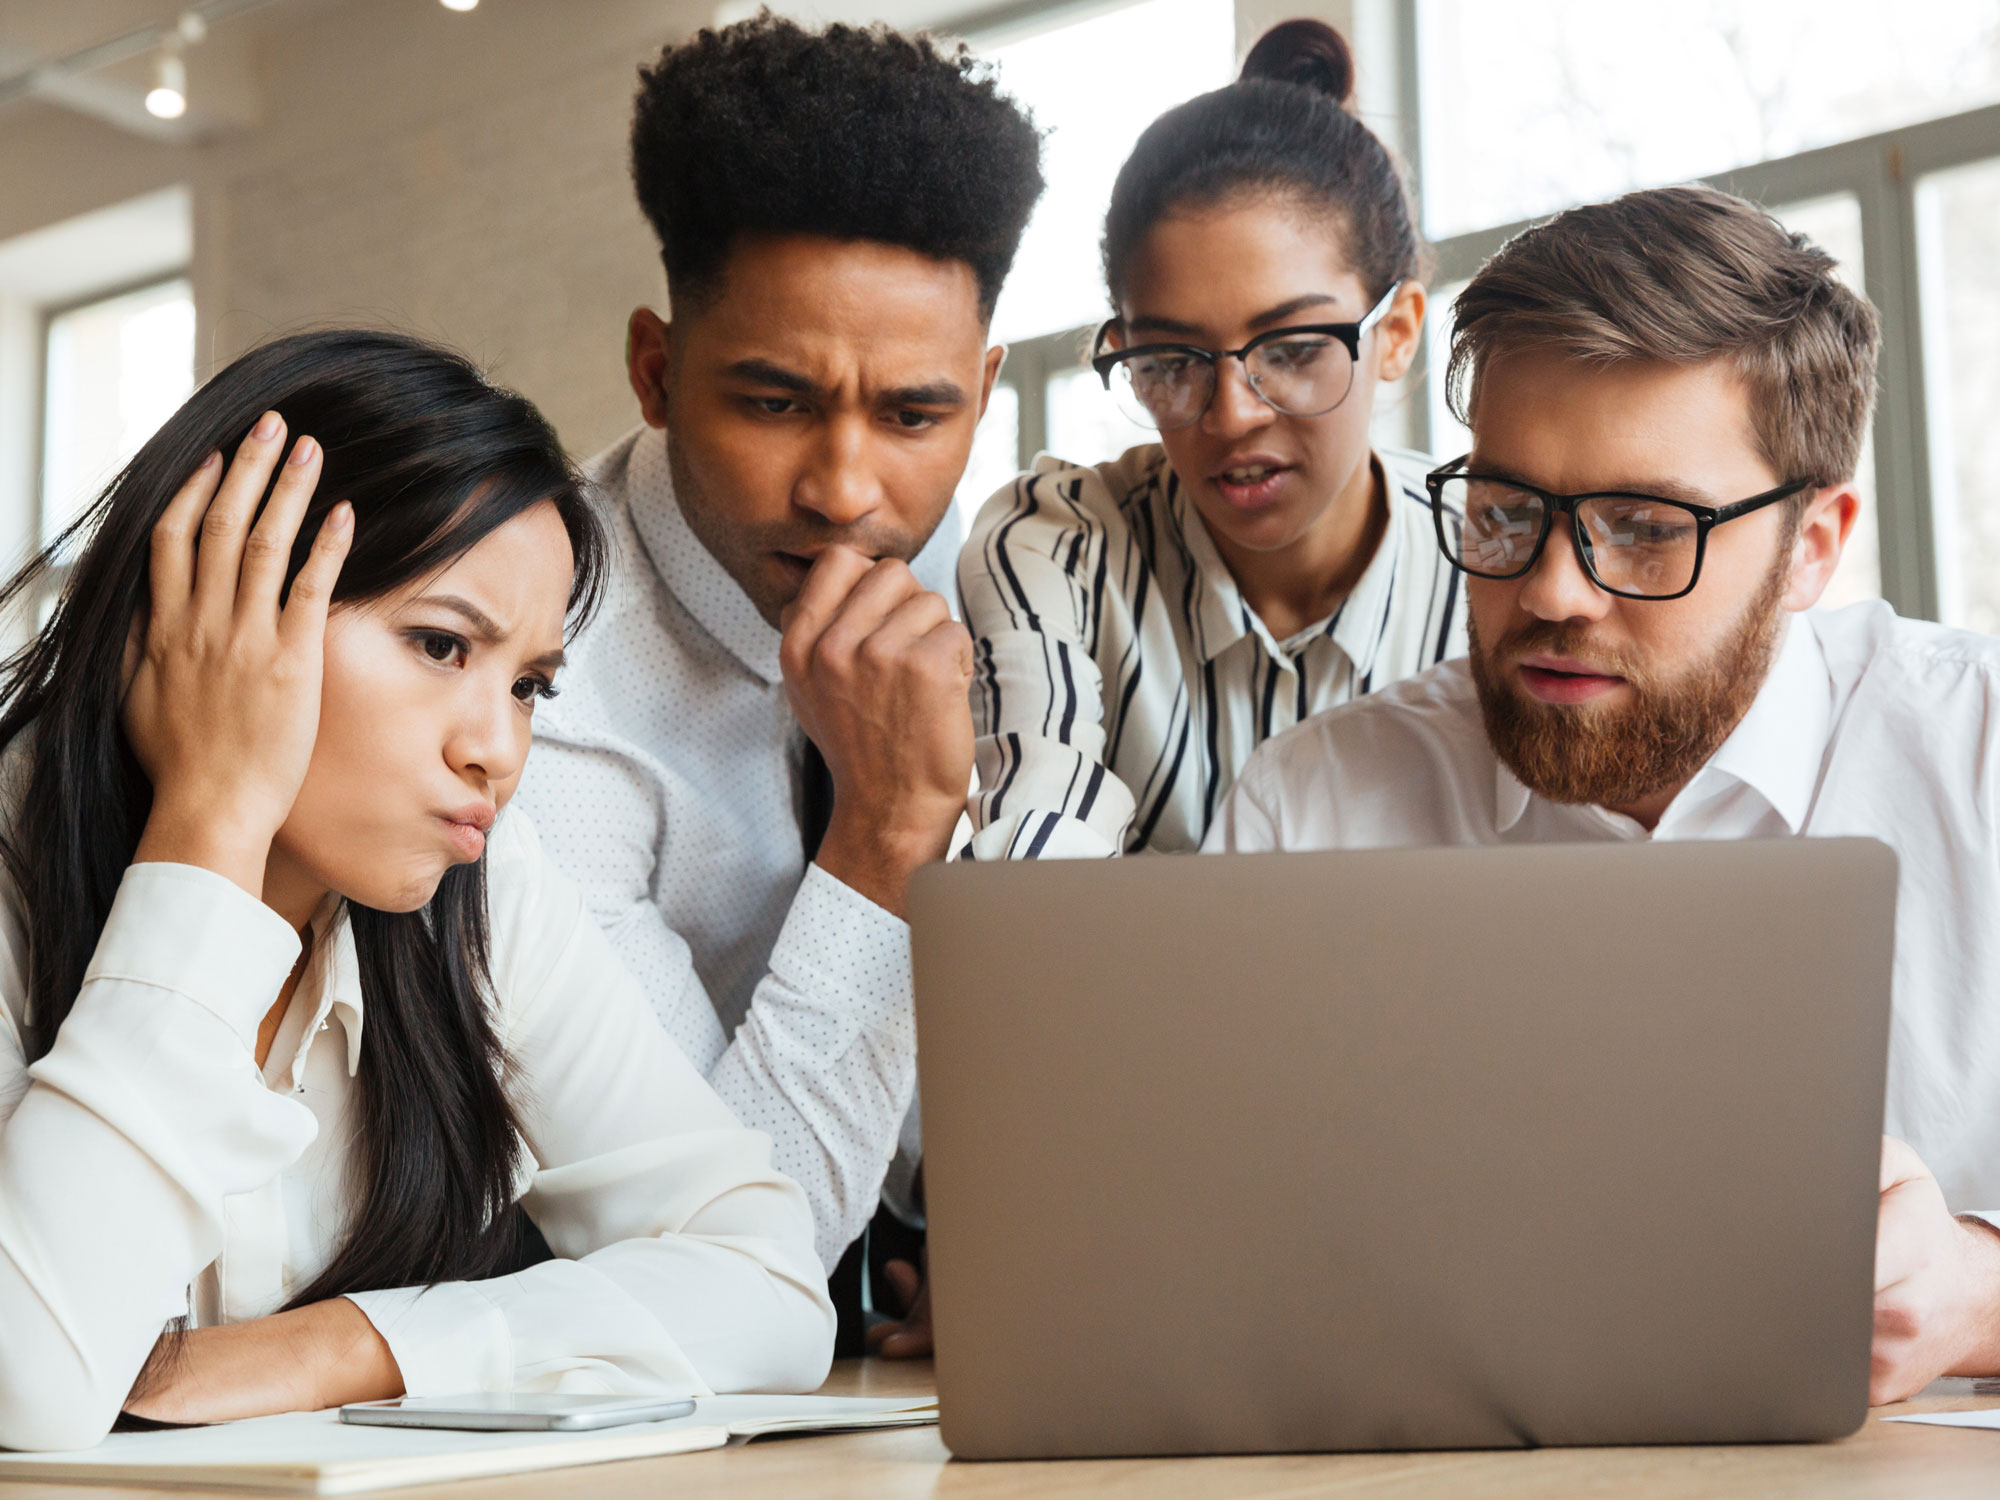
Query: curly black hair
x: 852, y: 133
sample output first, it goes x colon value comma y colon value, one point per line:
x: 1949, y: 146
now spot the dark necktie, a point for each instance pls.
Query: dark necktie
x: 815, y: 799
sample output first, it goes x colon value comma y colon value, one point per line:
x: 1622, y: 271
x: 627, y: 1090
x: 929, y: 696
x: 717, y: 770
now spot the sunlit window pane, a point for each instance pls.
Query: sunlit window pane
x: 1085, y: 424
x: 1536, y: 104
x: 1834, y: 224
x: 1958, y: 233
x: 995, y: 456
x: 1093, y: 86
x: 117, y: 369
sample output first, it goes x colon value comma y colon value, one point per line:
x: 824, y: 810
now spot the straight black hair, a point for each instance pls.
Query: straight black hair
x: 432, y: 458
x: 1282, y: 128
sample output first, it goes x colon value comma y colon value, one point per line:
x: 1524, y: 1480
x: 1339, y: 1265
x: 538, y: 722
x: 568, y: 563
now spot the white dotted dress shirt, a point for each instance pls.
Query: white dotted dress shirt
x: 666, y: 781
x: 150, y: 1170
x: 1867, y: 726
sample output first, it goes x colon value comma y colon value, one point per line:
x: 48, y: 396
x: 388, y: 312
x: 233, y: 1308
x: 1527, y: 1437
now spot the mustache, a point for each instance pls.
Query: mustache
x: 1562, y: 638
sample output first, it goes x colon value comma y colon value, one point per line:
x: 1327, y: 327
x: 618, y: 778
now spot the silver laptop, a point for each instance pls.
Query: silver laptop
x: 1404, y: 1149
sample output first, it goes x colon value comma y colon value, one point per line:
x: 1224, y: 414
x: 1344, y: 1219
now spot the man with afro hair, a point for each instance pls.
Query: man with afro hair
x: 766, y: 730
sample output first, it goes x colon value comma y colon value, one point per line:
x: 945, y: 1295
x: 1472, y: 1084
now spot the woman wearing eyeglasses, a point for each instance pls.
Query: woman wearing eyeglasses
x: 1142, y: 625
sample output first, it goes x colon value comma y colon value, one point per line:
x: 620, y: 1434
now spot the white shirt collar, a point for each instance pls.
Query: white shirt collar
x: 332, y: 980
x: 689, y: 570
x: 1776, y: 749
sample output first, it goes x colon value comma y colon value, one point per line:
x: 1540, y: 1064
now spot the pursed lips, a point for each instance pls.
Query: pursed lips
x: 468, y: 826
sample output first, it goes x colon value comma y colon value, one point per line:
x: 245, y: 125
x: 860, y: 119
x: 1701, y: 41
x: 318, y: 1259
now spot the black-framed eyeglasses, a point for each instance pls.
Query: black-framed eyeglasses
x: 1302, y: 371
x: 1635, y: 546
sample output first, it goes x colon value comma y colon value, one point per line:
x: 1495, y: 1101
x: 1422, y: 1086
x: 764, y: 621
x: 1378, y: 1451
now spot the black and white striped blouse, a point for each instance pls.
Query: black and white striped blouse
x: 1120, y: 679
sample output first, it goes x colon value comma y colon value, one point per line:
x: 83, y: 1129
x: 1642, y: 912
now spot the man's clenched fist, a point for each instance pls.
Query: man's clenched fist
x: 878, y: 674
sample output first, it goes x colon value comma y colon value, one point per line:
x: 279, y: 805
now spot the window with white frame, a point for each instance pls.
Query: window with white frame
x: 1871, y: 134
x: 114, y: 369
x: 1165, y: 51
x: 1537, y: 104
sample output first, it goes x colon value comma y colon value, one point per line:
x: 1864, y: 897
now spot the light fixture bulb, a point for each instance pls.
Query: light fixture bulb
x: 459, y: 4
x: 167, y: 99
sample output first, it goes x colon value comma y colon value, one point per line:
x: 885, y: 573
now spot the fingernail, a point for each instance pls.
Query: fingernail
x: 341, y: 516
x: 266, y: 428
x: 303, y: 450
x: 211, y: 461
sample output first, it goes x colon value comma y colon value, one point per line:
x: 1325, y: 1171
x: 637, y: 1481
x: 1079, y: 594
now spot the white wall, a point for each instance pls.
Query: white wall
x: 462, y: 175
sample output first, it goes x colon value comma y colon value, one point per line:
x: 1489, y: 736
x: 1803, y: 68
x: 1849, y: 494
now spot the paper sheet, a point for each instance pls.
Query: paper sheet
x: 313, y: 1453
x: 1953, y: 1418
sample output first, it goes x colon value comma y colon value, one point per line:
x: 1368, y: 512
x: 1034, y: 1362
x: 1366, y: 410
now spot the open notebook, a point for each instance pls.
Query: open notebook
x: 313, y: 1453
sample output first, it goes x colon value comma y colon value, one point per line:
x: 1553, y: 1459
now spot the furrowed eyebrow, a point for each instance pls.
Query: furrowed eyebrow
x: 485, y: 629
x: 1287, y: 310
x: 1655, y: 489
x: 764, y: 372
x: 1163, y: 325
x: 482, y: 626
x: 937, y: 393
x: 1270, y: 317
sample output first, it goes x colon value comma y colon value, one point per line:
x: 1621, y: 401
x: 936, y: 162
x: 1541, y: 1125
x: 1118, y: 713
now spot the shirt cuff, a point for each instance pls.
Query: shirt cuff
x: 1037, y: 834
x: 200, y: 935
x: 842, y: 949
x: 448, y: 1340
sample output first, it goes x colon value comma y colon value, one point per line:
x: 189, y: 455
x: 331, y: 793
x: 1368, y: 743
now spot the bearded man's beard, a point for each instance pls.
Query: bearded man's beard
x: 1585, y: 753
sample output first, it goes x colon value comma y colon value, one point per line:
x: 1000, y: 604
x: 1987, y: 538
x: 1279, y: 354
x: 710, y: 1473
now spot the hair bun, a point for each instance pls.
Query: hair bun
x: 1306, y: 52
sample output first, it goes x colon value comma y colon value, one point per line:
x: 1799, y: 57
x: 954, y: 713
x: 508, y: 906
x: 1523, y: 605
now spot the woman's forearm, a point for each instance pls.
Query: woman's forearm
x: 324, y: 1355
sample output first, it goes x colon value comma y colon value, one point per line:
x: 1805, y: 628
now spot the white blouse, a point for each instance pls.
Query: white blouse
x: 149, y: 1170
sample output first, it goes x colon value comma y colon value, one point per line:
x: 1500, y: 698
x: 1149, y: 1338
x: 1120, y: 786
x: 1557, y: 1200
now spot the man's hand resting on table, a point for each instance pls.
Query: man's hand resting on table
x: 878, y: 674
x: 911, y: 1337
x: 1937, y: 1285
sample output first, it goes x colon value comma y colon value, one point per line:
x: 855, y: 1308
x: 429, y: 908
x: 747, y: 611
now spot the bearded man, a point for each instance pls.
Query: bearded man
x: 1667, y: 396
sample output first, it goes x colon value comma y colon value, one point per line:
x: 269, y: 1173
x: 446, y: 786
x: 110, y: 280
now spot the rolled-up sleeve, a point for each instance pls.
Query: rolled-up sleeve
x: 149, y: 1110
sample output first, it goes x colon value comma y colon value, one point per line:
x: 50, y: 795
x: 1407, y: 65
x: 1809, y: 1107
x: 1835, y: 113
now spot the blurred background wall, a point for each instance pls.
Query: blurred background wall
x: 462, y: 173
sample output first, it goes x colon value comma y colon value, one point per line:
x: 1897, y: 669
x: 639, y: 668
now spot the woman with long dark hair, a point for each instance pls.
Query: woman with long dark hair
x: 295, y: 1023
x: 1142, y: 625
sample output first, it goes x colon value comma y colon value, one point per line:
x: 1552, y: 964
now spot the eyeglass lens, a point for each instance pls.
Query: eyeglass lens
x: 1633, y: 544
x: 1304, y: 375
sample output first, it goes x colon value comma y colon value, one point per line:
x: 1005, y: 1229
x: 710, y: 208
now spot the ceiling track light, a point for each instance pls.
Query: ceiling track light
x: 459, y: 4
x: 167, y: 99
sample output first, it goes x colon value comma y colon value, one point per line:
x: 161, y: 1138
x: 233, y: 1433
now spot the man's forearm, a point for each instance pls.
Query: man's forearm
x: 1979, y: 1317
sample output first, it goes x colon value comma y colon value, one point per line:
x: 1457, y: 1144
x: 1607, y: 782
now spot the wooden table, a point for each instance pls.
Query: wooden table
x: 1890, y: 1460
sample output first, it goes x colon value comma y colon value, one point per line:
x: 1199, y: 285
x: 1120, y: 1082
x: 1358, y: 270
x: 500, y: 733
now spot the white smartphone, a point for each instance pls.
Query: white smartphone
x: 505, y: 1412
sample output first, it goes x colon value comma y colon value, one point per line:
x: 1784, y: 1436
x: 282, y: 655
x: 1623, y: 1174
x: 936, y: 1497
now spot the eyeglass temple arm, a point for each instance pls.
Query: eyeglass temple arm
x: 1757, y: 502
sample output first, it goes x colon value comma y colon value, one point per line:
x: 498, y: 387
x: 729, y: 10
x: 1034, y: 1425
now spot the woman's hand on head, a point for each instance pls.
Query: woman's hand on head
x: 222, y: 699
